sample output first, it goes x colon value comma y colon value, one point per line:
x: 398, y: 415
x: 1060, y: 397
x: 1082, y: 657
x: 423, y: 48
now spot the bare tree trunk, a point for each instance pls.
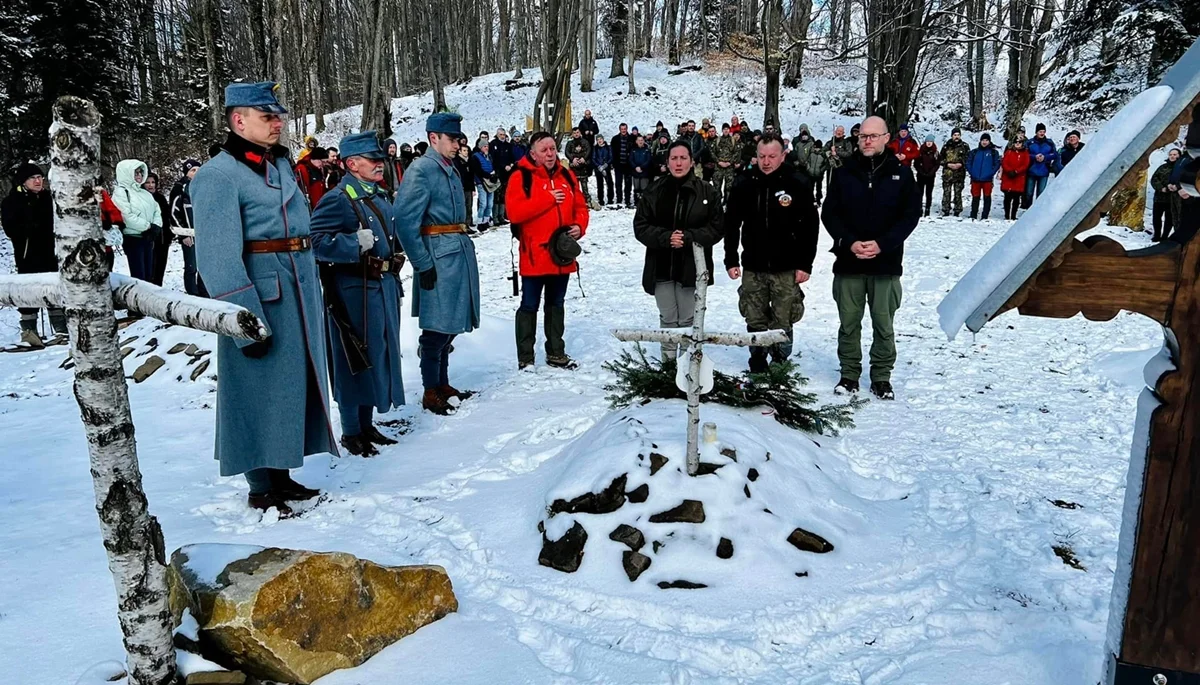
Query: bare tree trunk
x: 208, y: 23
x: 372, y: 114
x: 619, y: 34
x: 433, y: 50
x: 632, y: 46
x: 800, y: 20
x: 279, y: 68
x: 587, y: 46
x: 132, y: 537
x: 772, y: 59
x: 503, y: 49
x: 670, y: 30
x: 1025, y: 59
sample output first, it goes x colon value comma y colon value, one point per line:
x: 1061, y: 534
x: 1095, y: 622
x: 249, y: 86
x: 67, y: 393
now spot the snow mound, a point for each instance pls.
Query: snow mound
x: 1031, y: 231
x: 775, y: 506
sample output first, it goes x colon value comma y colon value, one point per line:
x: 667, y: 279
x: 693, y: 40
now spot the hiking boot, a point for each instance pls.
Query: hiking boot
x: 521, y: 366
x: 561, y: 361
x: 270, y: 500
x: 434, y: 402
x: 758, y: 360
x: 358, y: 445
x: 846, y: 387
x: 288, y: 489
x: 372, y: 434
x: 449, y: 391
x: 883, y: 390
x: 31, y: 338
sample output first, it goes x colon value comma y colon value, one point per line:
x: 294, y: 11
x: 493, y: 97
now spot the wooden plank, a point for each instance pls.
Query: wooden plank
x: 1098, y: 278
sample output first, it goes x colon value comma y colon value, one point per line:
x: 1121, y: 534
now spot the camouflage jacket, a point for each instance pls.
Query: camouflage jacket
x: 954, y: 153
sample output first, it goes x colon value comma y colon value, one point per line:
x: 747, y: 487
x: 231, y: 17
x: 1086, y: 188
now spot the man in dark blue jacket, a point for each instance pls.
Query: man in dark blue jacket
x: 622, y: 147
x: 983, y: 163
x: 870, y: 210
x: 502, y: 159
x: 1043, y: 159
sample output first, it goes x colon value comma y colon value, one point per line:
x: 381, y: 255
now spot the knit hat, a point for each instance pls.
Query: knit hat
x: 319, y: 153
x: 985, y: 136
x: 903, y: 127
x: 25, y: 172
x: 188, y: 165
x: 1040, y: 128
x: 956, y: 131
x: 1077, y: 134
x: 929, y: 139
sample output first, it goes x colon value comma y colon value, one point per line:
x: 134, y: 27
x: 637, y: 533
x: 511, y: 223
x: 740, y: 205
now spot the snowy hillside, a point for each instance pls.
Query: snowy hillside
x: 953, y: 510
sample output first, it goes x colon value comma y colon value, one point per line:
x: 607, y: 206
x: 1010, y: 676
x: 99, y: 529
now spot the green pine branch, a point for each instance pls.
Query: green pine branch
x: 640, y: 380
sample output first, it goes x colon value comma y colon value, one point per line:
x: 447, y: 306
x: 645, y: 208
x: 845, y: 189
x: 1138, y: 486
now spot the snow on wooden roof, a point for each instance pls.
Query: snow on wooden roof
x: 1112, y: 156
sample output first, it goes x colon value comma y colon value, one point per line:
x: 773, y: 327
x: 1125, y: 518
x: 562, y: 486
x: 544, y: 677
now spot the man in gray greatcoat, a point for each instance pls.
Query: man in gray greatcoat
x: 431, y: 222
x: 354, y: 238
x: 253, y: 250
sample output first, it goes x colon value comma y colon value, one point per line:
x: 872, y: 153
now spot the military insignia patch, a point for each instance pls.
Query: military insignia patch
x: 785, y: 200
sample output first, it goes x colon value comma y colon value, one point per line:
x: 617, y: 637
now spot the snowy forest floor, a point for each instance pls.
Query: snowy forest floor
x: 961, y: 583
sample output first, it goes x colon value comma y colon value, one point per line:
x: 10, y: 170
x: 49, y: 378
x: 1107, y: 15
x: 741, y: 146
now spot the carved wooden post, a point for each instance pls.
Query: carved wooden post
x: 132, y: 537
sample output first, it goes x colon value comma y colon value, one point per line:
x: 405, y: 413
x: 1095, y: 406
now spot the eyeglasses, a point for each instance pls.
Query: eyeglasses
x: 871, y: 136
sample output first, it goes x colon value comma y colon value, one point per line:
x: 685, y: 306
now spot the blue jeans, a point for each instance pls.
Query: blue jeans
x: 140, y: 254
x: 435, y: 358
x: 1035, y: 183
x: 486, y: 206
x: 355, y: 418
x: 531, y: 291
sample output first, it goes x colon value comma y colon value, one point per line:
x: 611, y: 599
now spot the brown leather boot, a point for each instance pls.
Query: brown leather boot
x: 434, y: 401
x: 448, y: 391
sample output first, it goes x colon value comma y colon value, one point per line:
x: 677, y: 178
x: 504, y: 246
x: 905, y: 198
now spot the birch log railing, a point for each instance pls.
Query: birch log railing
x: 87, y: 291
x: 696, y: 339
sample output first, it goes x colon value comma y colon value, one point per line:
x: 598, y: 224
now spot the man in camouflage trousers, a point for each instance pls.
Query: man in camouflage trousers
x: 954, y: 172
x: 727, y: 153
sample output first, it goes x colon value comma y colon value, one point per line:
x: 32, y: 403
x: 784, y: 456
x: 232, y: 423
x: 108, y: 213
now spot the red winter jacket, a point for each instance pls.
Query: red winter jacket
x: 311, y: 181
x: 539, y: 216
x: 1013, y: 169
x: 910, y: 151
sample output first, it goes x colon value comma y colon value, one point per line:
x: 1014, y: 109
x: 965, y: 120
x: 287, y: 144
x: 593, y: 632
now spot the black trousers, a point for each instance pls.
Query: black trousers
x: 1012, y: 202
x: 1164, y: 221
x: 624, y: 185
x: 925, y: 184
x: 604, y: 179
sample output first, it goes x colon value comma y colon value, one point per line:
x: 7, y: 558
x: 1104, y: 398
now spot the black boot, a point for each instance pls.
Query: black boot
x: 556, y: 349
x: 58, y: 321
x: 974, y: 208
x: 987, y: 207
x: 758, y: 360
x: 270, y: 500
x: 526, y: 328
x: 372, y: 434
x: 358, y: 445
x: 283, y: 486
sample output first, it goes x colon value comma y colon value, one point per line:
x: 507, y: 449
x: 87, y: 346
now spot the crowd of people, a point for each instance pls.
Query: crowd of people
x: 315, y: 248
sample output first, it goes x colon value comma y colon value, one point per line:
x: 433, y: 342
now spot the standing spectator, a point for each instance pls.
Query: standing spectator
x: 503, y: 161
x: 658, y: 153
x: 462, y: 164
x: 1043, y: 159
x: 871, y: 210
x: 406, y: 156
x: 310, y: 176
x: 27, y: 215
x: 393, y: 169
x: 927, y: 165
x: 1071, y: 147
x: 838, y: 150
x: 588, y: 127
x: 622, y: 148
x: 310, y: 145
x: 602, y: 163
x: 708, y: 160
x: 1166, y: 200
x: 750, y: 148
x: 163, y: 240
x: 642, y: 161
x: 486, y: 184
x: 904, y: 147
x: 675, y: 212
x: 333, y: 169
x: 183, y: 227
x: 954, y: 172
x: 854, y: 136
x: 983, y: 163
x: 519, y: 150
x: 773, y: 215
x: 727, y: 153
x: 693, y: 139
x: 810, y: 159
x: 549, y: 208
x: 579, y: 158
x: 1013, y: 168
x: 143, y: 218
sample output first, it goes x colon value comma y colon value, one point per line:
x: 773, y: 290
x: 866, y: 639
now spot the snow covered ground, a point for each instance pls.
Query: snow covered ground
x: 944, y: 565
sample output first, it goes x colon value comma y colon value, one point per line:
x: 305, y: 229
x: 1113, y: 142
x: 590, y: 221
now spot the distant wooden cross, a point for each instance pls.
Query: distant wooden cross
x: 696, y: 339
x: 90, y: 295
x: 1154, y: 624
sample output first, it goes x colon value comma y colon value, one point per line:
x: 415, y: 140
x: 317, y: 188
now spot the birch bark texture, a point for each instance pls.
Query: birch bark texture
x: 132, y: 537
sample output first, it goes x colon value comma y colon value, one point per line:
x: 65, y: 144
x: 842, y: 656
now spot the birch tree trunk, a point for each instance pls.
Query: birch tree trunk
x: 631, y: 46
x: 208, y: 24
x: 132, y: 537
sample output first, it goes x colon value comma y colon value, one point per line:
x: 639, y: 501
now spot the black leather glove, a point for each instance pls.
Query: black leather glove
x: 429, y: 278
x: 257, y: 350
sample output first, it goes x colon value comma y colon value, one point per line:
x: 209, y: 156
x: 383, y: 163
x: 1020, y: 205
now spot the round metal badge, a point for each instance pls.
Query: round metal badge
x: 785, y: 200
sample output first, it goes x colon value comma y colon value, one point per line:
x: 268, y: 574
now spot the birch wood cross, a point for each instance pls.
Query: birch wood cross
x: 89, y: 293
x: 696, y: 339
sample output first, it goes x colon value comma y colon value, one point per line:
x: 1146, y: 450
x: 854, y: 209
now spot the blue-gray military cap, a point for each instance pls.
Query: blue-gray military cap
x: 260, y: 96
x: 365, y: 144
x: 444, y: 122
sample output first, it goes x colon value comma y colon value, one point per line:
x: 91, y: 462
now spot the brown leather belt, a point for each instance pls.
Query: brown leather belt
x: 279, y: 245
x: 443, y: 229
x: 376, y: 267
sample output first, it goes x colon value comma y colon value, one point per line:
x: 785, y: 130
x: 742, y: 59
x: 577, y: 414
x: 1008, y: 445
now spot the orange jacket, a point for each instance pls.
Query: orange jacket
x: 539, y: 216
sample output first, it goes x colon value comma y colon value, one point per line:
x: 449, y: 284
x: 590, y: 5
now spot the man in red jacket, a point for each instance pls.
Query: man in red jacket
x: 545, y: 205
x: 904, y: 147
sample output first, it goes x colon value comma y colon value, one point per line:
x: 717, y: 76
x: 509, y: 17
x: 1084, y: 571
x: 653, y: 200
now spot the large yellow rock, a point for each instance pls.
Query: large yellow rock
x: 293, y: 616
x: 1128, y: 206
